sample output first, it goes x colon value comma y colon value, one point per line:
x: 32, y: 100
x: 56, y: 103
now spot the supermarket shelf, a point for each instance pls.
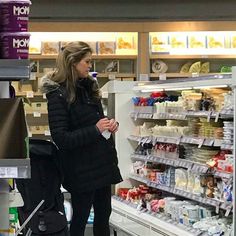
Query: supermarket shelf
x: 37, y: 113
x: 126, y: 217
x: 41, y: 136
x: 31, y: 94
x: 15, y: 168
x: 180, y: 84
x: 14, y: 69
x: 117, y: 75
x: 105, y: 75
x: 184, y: 75
x: 227, y: 147
x: 223, y: 174
x: 182, y: 193
x: 190, y: 165
x: 177, y: 140
x: 54, y: 57
x: 171, y: 56
x: 183, y: 115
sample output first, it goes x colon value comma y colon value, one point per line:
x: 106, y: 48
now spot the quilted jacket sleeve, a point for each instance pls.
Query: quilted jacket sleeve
x: 58, y: 117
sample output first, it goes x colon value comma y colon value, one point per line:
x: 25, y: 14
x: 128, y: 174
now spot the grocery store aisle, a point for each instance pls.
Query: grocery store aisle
x: 89, y: 231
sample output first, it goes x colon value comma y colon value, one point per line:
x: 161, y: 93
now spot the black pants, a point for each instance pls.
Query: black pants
x: 100, y: 199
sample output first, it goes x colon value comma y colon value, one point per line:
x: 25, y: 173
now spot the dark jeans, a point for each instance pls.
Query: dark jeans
x: 100, y: 199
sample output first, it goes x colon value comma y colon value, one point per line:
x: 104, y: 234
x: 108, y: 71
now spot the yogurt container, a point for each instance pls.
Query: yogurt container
x: 14, y: 15
x: 14, y: 45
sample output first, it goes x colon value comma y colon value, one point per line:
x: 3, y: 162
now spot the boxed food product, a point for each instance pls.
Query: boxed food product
x: 233, y: 41
x: 35, y: 46
x: 126, y: 45
x: 106, y: 47
x: 196, y: 41
x: 159, y: 43
x: 215, y: 41
x: 178, y: 41
x: 50, y: 48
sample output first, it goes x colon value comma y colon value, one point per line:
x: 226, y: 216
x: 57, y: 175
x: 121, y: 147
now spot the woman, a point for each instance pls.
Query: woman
x: 78, y: 127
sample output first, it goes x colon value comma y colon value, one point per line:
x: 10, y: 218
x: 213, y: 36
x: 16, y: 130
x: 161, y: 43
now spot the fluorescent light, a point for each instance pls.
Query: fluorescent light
x: 211, y: 86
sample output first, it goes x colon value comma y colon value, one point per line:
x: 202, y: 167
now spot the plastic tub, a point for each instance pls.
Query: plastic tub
x: 14, y: 45
x: 14, y: 15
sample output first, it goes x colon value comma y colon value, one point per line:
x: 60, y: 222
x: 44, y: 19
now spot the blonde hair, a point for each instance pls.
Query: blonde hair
x: 65, y: 72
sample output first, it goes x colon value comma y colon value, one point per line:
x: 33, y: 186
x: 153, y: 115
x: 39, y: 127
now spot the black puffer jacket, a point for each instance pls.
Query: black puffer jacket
x: 89, y: 161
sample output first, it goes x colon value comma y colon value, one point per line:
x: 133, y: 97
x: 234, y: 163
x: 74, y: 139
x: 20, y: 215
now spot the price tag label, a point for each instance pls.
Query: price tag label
x: 143, y: 77
x: 144, y: 140
x: 111, y: 76
x: 209, y: 142
x: 195, y: 74
x: 47, y: 133
x: 44, y: 96
x: 201, y: 141
x: 32, y: 76
x: 217, y: 142
x: 178, y: 141
x: 149, y: 140
x: 29, y: 94
x: 162, y: 76
x: 217, y: 116
x: 36, y: 114
x: 229, y: 208
x: 8, y: 172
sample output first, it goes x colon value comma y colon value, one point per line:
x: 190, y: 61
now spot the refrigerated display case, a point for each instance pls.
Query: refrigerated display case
x: 128, y: 216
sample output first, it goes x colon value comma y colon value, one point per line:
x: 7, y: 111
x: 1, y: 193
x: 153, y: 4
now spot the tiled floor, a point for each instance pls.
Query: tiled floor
x: 89, y: 231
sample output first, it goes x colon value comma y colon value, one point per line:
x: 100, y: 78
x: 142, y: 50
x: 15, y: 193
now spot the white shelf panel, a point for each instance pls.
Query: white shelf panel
x: 177, y: 140
x: 182, y: 115
x: 181, y: 84
x: 15, y: 168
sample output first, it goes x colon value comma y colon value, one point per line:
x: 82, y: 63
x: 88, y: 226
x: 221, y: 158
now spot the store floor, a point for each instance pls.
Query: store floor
x: 89, y: 232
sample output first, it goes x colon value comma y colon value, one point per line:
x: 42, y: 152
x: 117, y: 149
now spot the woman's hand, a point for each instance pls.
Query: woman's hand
x: 103, y: 124
x: 114, y: 125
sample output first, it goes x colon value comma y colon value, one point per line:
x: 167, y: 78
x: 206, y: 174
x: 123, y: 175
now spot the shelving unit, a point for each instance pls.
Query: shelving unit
x: 17, y: 166
x: 126, y: 66
x: 170, y: 56
x: 125, y: 214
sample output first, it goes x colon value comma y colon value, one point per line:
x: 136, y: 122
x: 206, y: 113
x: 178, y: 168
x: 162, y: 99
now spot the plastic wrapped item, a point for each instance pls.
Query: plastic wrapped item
x: 181, y: 179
